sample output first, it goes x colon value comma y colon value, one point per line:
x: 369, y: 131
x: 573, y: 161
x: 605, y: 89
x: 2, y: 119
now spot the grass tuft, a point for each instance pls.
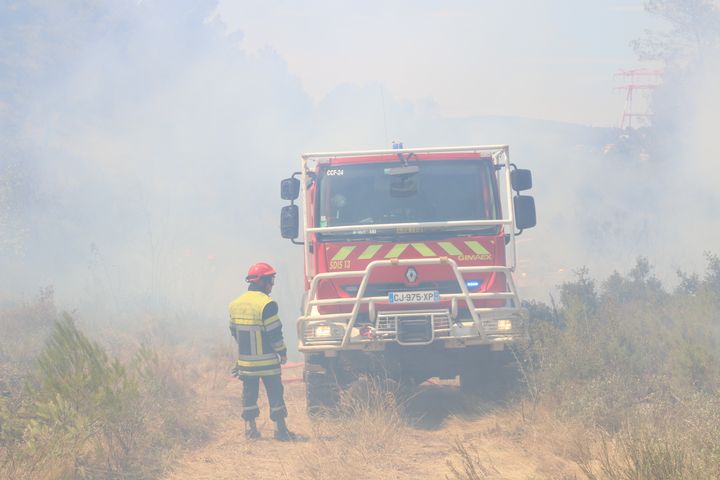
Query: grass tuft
x: 363, y: 433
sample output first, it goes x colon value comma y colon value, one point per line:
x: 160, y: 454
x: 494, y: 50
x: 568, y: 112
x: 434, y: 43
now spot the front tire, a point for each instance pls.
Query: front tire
x: 491, y: 381
x: 321, y: 393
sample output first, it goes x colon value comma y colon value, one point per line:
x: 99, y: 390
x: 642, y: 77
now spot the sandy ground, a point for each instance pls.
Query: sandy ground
x: 504, y: 442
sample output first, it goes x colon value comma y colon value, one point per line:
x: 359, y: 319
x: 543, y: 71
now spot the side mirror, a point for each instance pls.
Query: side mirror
x: 289, y: 221
x: 290, y: 188
x: 521, y: 180
x: 524, y: 211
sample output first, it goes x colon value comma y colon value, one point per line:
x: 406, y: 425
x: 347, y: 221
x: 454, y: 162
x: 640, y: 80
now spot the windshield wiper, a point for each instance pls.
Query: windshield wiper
x: 405, y: 236
x: 349, y: 237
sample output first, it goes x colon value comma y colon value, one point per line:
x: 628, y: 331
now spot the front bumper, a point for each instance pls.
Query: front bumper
x: 415, y: 324
x: 414, y: 327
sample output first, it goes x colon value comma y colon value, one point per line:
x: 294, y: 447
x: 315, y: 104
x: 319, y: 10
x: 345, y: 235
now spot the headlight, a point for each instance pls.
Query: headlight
x: 504, y: 325
x: 323, y: 331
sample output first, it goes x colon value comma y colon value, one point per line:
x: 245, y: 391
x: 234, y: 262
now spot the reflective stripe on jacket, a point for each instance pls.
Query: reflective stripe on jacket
x: 257, y: 329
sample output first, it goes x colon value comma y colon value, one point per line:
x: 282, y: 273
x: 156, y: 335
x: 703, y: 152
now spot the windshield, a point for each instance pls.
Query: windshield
x: 427, y: 191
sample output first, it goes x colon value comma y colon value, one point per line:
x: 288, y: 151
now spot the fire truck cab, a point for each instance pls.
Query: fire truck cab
x: 409, y: 255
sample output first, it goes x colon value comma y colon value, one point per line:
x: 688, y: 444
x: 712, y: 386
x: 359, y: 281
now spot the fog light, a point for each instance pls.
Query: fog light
x: 323, y: 331
x: 504, y: 324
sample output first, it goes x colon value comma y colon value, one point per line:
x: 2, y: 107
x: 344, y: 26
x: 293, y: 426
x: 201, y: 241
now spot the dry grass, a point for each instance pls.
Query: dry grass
x: 381, y: 443
x: 641, y: 404
x: 472, y: 466
x: 677, y: 443
x: 363, y: 434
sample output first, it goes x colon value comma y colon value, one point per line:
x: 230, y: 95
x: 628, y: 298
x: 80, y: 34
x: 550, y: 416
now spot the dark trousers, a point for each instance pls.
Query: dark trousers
x: 273, y: 388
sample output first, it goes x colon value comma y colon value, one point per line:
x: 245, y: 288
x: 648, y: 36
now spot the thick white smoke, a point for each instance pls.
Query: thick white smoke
x: 142, y: 152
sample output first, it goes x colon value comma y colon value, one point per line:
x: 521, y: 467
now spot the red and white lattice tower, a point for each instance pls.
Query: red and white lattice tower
x: 633, y: 80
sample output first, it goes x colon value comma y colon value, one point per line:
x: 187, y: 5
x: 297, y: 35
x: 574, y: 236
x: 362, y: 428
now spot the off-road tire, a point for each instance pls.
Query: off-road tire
x: 491, y: 382
x: 321, y: 394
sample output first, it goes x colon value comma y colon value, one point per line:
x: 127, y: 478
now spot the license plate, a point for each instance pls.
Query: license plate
x: 430, y: 296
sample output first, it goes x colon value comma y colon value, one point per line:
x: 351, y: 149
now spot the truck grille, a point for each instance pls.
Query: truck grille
x: 413, y: 327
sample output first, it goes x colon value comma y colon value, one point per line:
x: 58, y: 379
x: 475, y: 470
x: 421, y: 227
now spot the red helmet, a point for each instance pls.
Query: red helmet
x: 258, y: 271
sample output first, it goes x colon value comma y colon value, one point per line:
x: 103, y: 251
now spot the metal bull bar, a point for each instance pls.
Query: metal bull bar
x: 360, y: 299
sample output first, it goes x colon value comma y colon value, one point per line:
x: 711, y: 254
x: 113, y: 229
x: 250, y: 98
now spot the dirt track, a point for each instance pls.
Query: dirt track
x: 505, y: 444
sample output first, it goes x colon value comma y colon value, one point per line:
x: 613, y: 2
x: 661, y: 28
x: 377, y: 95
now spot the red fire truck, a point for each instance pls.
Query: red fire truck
x: 409, y: 254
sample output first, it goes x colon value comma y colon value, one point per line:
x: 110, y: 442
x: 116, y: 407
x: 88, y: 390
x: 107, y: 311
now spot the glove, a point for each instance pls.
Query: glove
x: 236, y: 371
x: 283, y: 359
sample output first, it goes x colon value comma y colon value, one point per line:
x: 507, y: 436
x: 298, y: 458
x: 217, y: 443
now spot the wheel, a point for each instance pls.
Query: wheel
x: 492, y: 381
x: 321, y: 393
x: 473, y: 380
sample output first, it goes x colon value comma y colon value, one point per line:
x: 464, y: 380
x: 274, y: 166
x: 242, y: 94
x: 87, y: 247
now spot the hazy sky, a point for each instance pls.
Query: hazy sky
x: 541, y: 59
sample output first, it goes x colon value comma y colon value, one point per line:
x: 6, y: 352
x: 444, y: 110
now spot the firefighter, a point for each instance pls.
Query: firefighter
x: 256, y: 327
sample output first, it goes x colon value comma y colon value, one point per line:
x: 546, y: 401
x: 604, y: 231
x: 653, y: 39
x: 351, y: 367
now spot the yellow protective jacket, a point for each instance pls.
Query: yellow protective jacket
x: 256, y: 326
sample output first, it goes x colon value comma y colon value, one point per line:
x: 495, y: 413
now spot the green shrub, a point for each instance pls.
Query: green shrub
x: 608, y: 351
x: 86, y: 415
x: 639, y: 364
x: 83, y: 409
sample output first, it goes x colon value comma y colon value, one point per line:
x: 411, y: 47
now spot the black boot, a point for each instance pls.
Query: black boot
x: 251, y: 431
x: 282, y: 433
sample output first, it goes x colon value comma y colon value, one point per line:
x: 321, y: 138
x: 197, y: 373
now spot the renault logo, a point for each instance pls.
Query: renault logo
x: 411, y: 275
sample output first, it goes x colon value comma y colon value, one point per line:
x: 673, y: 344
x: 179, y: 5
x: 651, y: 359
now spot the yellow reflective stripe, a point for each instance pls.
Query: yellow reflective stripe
x: 343, y: 253
x: 449, y: 248
x: 396, y: 250
x: 369, y: 252
x: 477, y: 248
x: 257, y: 363
x: 423, y: 249
x: 245, y: 321
x: 258, y: 342
x: 272, y: 319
